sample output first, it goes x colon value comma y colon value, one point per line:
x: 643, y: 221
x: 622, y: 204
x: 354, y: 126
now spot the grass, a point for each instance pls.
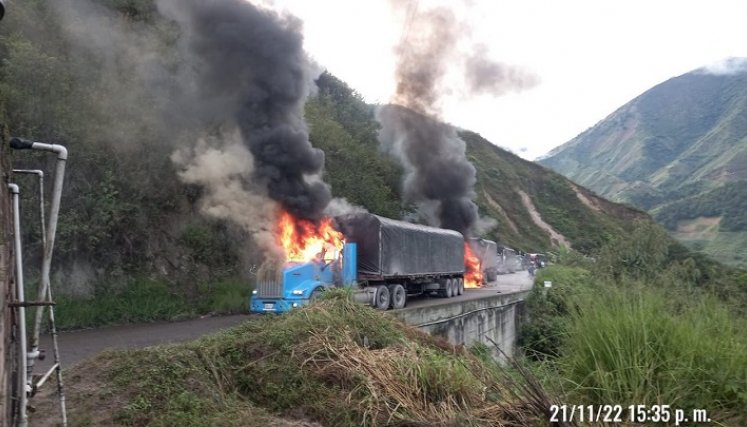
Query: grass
x: 147, y: 301
x: 140, y: 301
x: 633, y: 346
x: 334, y: 362
x: 648, y: 342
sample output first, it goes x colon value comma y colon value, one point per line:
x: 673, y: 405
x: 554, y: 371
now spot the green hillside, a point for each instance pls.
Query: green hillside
x: 129, y: 226
x: 678, y: 150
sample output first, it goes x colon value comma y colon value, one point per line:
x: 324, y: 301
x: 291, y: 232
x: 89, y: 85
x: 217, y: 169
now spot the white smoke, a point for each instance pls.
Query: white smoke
x: 726, y: 67
x: 222, y: 166
x: 340, y: 206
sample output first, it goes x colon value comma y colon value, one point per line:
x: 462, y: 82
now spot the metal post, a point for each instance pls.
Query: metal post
x: 42, y: 222
x: 57, y: 368
x: 21, y: 320
x: 54, y: 211
x: 48, y: 237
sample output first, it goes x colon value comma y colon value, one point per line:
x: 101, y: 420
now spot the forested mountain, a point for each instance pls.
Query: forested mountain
x: 126, y: 215
x: 679, y: 150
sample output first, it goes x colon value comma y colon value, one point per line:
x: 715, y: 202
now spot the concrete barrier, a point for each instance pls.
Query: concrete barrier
x: 497, y: 317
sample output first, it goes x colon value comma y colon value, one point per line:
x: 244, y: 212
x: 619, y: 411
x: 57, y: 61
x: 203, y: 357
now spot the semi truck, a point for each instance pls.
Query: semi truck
x: 384, y: 261
x: 487, y: 252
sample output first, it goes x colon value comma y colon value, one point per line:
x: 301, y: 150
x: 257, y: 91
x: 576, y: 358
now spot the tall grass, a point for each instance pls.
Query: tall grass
x: 147, y: 301
x: 140, y: 301
x: 632, y: 345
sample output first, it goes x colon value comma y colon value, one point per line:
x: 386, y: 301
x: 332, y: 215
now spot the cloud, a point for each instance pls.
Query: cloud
x: 726, y: 67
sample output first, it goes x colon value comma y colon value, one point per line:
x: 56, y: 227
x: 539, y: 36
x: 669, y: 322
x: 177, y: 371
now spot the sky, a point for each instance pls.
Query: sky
x: 590, y: 57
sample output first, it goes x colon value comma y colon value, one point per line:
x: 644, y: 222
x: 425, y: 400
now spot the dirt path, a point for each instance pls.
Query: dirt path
x: 555, y: 237
x: 585, y: 200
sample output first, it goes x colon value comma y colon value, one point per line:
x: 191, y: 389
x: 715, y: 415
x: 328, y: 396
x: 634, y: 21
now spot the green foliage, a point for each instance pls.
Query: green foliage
x: 147, y: 301
x: 631, y: 346
x: 543, y: 333
x: 140, y: 301
x: 207, y: 245
x: 728, y: 201
x: 640, y: 256
x: 374, y: 186
x: 226, y: 296
x: 652, y: 324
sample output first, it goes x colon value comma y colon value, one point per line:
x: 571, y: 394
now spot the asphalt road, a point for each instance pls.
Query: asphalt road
x: 78, y: 345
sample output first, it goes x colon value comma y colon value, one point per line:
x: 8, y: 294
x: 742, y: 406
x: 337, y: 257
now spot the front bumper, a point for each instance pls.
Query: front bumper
x: 258, y: 305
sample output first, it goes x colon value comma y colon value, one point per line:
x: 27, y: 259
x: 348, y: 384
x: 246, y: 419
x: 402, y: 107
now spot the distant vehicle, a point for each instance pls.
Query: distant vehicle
x: 509, y: 260
x: 384, y: 260
x: 487, y: 252
x: 538, y: 260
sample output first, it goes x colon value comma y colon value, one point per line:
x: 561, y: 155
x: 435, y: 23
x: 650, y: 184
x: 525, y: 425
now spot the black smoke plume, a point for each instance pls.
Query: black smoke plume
x: 250, y: 70
x: 439, y: 180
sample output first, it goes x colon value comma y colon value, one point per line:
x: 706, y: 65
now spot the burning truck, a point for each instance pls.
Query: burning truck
x: 386, y: 261
x: 486, y: 252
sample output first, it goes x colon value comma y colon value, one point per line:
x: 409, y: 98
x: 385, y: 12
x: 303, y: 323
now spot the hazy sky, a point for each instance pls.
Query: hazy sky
x: 590, y: 56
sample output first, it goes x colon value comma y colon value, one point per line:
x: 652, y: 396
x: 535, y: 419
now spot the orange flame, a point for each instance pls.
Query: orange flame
x: 302, y: 240
x: 472, y: 269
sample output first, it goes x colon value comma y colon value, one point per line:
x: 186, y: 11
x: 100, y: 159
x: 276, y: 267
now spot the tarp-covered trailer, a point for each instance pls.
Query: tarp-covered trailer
x: 390, y: 249
x: 487, y: 252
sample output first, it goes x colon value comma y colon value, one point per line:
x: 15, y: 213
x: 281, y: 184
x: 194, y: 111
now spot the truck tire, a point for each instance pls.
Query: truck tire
x: 316, y: 294
x: 382, y: 299
x: 449, y: 291
x: 461, y: 286
x: 454, y: 287
x: 398, y: 295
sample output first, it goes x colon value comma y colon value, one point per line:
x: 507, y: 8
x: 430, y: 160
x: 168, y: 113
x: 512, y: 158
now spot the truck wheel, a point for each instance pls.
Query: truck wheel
x: 454, y: 287
x: 461, y: 286
x: 398, y: 296
x: 382, y: 297
x: 449, y: 291
x: 316, y: 294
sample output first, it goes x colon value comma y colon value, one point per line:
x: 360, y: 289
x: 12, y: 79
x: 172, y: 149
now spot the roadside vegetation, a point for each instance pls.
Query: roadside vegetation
x: 335, y: 362
x: 642, y: 326
x: 147, y: 301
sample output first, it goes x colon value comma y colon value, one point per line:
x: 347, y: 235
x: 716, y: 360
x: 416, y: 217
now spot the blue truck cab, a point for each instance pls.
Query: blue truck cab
x: 299, y: 282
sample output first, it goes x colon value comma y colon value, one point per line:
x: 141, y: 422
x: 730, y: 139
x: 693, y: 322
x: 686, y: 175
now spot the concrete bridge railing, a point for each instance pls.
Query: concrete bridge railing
x: 467, y: 322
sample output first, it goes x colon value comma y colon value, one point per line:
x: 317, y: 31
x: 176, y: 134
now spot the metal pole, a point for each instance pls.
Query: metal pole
x: 42, y: 221
x: 57, y: 368
x: 21, y: 320
x: 54, y: 210
x: 58, y: 364
x: 34, y: 354
x: 48, y: 244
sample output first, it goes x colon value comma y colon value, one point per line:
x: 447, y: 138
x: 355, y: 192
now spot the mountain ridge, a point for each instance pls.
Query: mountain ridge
x: 683, y: 138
